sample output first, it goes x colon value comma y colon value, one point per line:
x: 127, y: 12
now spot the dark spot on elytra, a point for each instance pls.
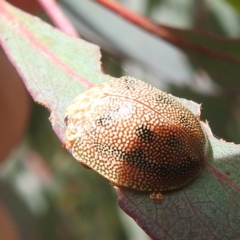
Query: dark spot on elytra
x: 184, y: 120
x: 179, y: 170
x: 136, y: 157
x: 103, y: 121
x: 160, y: 97
x: 145, y: 134
x: 108, y: 118
x: 173, y: 141
x: 130, y: 81
x: 109, y: 151
x: 164, y: 98
x: 66, y: 120
x: 192, y: 165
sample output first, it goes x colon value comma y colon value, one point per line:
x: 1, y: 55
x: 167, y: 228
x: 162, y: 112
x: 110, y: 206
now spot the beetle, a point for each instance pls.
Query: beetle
x: 136, y: 136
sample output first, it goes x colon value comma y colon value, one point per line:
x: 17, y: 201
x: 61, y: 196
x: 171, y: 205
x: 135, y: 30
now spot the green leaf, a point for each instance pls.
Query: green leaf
x: 56, y: 68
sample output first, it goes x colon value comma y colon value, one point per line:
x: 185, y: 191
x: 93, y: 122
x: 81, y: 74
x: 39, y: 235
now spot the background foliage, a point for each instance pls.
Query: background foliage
x: 59, y: 203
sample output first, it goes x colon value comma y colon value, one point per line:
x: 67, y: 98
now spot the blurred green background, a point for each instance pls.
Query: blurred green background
x: 45, y: 193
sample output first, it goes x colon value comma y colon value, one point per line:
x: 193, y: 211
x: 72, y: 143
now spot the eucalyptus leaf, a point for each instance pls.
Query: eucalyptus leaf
x: 56, y: 68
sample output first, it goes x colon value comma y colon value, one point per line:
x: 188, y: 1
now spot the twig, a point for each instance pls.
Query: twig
x: 58, y: 17
x: 169, y: 34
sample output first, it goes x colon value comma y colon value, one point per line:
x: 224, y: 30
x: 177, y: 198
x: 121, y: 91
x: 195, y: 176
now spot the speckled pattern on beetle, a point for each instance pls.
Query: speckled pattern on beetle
x: 136, y: 136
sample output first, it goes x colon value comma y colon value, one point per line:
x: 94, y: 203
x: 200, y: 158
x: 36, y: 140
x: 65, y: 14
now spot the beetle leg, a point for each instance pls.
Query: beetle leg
x: 156, y: 196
